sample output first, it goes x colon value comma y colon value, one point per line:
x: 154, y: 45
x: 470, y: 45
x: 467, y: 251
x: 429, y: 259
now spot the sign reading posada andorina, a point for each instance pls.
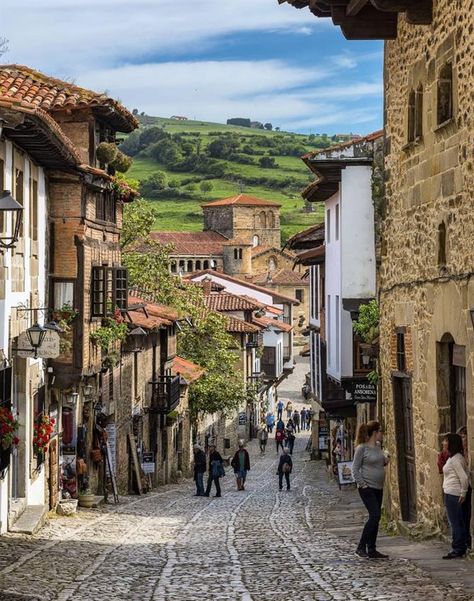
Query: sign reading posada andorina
x: 364, y: 391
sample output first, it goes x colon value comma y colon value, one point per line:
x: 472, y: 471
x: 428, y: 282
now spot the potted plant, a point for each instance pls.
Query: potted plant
x: 367, y: 327
x: 106, y: 152
x: 86, y: 496
x: 8, y: 427
x: 42, y: 430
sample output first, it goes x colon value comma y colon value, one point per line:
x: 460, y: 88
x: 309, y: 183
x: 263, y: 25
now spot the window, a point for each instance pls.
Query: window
x: 19, y: 194
x: 63, y: 294
x: 271, y: 220
x: 109, y: 290
x: 236, y: 254
x: 240, y: 253
x: 263, y: 220
x: 336, y: 310
x: 411, y: 117
x: 33, y: 210
x: 419, y: 113
x: 198, y: 265
x: 445, y: 94
x: 173, y: 267
x: 105, y: 206
x: 272, y: 264
x: 442, y: 244
x: 255, y: 241
x: 328, y: 226
x: 401, y: 357
x: 206, y: 265
x: 299, y: 294
x: 336, y: 225
x: 190, y: 266
x: 314, y: 291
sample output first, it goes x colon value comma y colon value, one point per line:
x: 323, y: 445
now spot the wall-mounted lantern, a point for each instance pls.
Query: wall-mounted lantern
x: 10, y: 207
x: 36, y: 334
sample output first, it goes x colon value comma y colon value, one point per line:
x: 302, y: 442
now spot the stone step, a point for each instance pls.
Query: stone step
x: 31, y: 520
x: 17, y: 507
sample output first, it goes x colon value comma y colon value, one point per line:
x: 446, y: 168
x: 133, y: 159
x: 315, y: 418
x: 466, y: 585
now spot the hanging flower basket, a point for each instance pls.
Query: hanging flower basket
x: 8, y: 427
x: 43, y: 429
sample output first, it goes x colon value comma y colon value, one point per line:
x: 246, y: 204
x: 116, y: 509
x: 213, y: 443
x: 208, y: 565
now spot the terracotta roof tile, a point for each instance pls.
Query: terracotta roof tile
x: 25, y: 85
x: 225, y: 301
x: 276, y: 323
x: 155, y: 312
x: 281, y: 276
x: 236, y: 325
x: 243, y: 200
x: 192, y: 243
x: 189, y: 370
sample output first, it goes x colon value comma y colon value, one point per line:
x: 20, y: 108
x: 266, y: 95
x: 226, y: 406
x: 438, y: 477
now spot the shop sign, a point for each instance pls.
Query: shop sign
x: 242, y: 418
x: 323, y: 437
x: 48, y: 350
x: 364, y: 391
x: 148, y: 463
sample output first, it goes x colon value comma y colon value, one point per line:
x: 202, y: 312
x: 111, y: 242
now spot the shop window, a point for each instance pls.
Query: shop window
x: 442, y: 244
x: 419, y: 113
x: 411, y: 116
x: 109, y: 290
x: 445, y: 94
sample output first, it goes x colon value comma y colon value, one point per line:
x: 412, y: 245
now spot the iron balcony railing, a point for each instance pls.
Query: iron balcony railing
x: 166, y: 392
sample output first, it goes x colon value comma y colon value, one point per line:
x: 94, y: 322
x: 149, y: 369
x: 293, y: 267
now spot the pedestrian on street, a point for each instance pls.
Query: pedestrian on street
x: 290, y: 438
x: 285, y: 467
x: 199, y: 469
x: 368, y: 469
x: 280, y: 425
x: 289, y: 409
x: 467, y: 505
x: 262, y: 436
x: 279, y: 409
x: 303, y: 418
x: 279, y: 439
x: 455, y: 485
x: 296, y: 419
x: 241, y: 464
x: 309, y: 417
x: 216, y: 471
x: 270, y: 422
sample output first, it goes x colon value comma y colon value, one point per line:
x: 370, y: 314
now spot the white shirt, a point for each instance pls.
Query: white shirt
x: 455, y: 476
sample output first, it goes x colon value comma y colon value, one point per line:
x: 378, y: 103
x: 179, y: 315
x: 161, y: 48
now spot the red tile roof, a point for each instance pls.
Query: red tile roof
x: 282, y: 277
x: 236, y: 325
x: 192, y: 243
x: 243, y: 200
x: 25, y: 85
x: 313, y: 255
x: 150, y: 315
x: 276, y: 323
x: 225, y: 301
x: 189, y: 370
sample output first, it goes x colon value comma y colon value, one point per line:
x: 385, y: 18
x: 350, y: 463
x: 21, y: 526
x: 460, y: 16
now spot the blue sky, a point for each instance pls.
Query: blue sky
x: 210, y: 59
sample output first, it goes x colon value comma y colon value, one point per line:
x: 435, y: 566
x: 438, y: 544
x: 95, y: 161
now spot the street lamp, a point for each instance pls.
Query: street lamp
x: 36, y: 336
x: 365, y: 359
x: 72, y: 397
x: 138, y: 336
x: 10, y: 206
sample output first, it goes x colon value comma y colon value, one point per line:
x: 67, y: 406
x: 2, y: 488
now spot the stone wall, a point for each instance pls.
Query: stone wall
x: 244, y: 223
x: 423, y: 287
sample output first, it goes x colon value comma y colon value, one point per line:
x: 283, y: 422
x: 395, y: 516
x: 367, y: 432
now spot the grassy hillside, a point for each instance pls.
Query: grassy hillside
x: 189, y: 159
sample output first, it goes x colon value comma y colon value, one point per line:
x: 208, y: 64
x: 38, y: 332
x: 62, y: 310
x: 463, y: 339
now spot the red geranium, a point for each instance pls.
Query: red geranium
x: 8, y: 425
x: 43, y: 429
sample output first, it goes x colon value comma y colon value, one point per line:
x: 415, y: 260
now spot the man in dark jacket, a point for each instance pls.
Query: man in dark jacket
x: 216, y: 471
x: 199, y: 469
x: 241, y: 464
x: 285, y: 467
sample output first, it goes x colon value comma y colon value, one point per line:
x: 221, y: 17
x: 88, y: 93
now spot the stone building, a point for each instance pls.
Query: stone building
x: 426, y: 287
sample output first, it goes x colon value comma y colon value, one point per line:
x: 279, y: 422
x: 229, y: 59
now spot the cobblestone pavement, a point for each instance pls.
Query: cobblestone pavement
x: 258, y: 545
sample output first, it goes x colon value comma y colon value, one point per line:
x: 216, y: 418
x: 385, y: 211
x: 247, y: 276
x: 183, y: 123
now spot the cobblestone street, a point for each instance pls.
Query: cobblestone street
x: 260, y: 544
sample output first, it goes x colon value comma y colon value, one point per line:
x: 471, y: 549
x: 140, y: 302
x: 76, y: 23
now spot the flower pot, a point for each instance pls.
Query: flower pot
x: 67, y: 507
x: 86, y: 500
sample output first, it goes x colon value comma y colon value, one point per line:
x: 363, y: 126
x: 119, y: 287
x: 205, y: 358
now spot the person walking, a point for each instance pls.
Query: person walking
x: 296, y: 419
x: 455, y: 485
x: 290, y: 437
x: 216, y: 471
x: 285, y: 467
x: 467, y: 505
x: 280, y: 425
x: 303, y: 418
x: 241, y: 464
x: 368, y: 469
x: 199, y: 469
x: 279, y: 409
x: 270, y: 420
x: 309, y: 417
x: 289, y: 410
x: 279, y: 439
x: 262, y: 436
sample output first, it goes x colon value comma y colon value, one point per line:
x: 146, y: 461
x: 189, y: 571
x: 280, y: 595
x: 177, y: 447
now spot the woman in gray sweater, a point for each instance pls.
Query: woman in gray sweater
x: 368, y: 469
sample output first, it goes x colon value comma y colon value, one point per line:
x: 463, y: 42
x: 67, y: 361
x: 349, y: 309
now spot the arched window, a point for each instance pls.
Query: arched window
x: 271, y: 220
x: 450, y: 384
x: 263, y: 220
x: 419, y: 112
x: 240, y: 253
x: 173, y: 267
x: 198, y: 265
x: 255, y: 241
x: 206, y: 265
x: 411, y: 117
x: 445, y: 94
x: 190, y: 266
x: 442, y: 244
x: 272, y: 263
x: 181, y: 265
x: 236, y: 254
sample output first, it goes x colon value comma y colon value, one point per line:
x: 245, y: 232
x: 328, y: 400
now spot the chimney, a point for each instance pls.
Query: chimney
x: 207, y: 285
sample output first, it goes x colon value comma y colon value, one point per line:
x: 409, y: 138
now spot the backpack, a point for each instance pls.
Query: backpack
x: 286, y: 468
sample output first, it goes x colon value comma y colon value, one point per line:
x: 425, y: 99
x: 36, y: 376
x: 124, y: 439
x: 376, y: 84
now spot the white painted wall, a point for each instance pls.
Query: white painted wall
x: 333, y: 266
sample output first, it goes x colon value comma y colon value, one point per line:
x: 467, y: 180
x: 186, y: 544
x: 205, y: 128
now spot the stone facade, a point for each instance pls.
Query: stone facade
x: 427, y: 255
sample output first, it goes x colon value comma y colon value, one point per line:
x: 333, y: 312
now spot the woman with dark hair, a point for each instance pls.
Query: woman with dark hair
x: 369, y: 474
x: 455, y: 485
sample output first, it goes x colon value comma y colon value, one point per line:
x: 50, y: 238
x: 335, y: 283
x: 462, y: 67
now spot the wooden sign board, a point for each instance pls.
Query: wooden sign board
x: 49, y: 349
x: 136, y: 464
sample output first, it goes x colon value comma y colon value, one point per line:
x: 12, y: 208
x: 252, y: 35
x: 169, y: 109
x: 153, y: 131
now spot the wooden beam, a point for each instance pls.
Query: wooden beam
x: 354, y: 7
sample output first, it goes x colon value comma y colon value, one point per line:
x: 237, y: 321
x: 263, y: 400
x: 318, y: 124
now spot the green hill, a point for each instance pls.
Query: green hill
x: 181, y: 164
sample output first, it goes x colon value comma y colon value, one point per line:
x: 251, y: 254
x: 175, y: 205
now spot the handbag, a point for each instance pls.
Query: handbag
x: 286, y: 468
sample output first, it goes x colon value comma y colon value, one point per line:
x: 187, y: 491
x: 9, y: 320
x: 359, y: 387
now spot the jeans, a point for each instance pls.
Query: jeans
x: 263, y: 444
x: 280, y: 480
x: 270, y: 428
x: 199, y: 479
x: 279, y: 413
x: 466, y: 509
x: 279, y: 443
x: 291, y: 444
x: 455, y: 512
x: 372, y: 499
x: 216, y: 481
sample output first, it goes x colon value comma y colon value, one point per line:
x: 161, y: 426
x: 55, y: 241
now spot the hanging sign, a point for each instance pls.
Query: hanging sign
x: 148, y: 463
x: 49, y: 349
x: 364, y: 391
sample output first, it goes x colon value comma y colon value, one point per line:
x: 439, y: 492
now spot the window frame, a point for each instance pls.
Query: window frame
x: 109, y: 286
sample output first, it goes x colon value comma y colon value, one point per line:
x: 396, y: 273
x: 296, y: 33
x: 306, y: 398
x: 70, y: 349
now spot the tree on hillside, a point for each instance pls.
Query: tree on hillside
x: 222, y: 147
x: 165, y: 151
x: 239, y: 121
x: 151, y: 135
x: 206, y: 186
x: 267, y: 163
x: 268, y: 126
x: 155, y: 183
x: 131, y: 144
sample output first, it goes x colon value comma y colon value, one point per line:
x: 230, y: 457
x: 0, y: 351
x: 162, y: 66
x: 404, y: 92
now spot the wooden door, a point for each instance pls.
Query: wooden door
x: 406, y: 447
x: 53, y: 474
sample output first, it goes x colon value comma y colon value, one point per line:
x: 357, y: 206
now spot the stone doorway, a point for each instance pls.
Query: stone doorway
x: 403, y: 409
